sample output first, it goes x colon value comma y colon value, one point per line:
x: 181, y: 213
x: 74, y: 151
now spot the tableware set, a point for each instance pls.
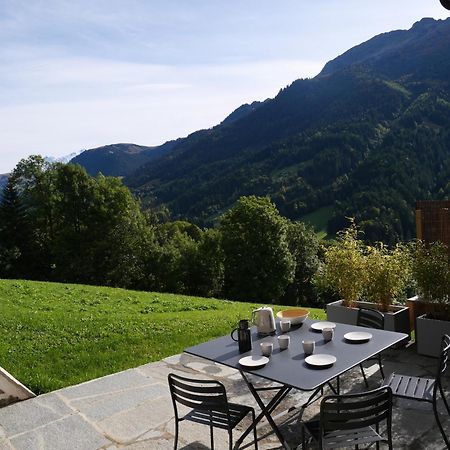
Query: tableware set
x: 357, y: 336
x: 244, y: 338
x: 285, y: 325
x: 284, y: 341
x: 253, y: 362
x: 296, y: 315
x: 263, y: 319
x: 266, y: 348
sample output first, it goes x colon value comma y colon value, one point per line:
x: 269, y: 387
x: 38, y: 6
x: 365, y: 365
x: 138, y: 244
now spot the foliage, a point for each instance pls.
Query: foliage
x: 388, y: 274
x: 58, y: 223
x: 369, y: 136
x: 258, y: 263
x: 187, y: 260
x: 15, y: 258
x: 57, y: 335
x: 431, y: 270
x: 344, y: 268
x: 78, y: 228
x: 304, y: 247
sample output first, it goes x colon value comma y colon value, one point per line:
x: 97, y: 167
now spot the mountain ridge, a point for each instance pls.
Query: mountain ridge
x: 307, y: 147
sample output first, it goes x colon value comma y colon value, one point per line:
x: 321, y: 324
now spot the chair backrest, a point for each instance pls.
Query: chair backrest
x: 370, y: 318
x: 205, y: 395
x: 354, y: 411
x: 443, y: 360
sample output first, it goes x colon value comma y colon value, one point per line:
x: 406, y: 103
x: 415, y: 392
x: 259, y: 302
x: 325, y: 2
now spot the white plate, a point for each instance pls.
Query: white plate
x: 320, y: 360
x: 358, y: 336
x: 253, y: 361
x: 319, y: 326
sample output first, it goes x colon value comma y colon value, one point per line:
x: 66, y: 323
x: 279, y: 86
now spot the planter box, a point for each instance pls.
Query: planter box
x: 429, y: 334
x: 395, y: 320
x: 417, y: 308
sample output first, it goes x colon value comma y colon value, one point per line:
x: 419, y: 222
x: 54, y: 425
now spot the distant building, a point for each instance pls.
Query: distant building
x: 433, y: 221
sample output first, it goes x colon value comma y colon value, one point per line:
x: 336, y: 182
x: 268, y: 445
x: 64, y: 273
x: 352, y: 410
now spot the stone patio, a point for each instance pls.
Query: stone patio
x: 133, y: 410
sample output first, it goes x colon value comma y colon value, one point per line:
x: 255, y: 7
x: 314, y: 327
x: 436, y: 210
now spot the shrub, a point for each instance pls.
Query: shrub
x: 388, y: 274
x: 431, y: 271
x: 343, y: 271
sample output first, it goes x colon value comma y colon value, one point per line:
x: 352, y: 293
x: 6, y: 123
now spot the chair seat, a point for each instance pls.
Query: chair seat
x: 412, y: 387
x: 219, y: 418
x: 344, y: 438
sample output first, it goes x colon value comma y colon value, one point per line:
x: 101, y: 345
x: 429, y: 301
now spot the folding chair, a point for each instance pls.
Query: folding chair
x: 209, y: 406
x: 424, y: 389
x: 371, y: 318
x: 352, y: 419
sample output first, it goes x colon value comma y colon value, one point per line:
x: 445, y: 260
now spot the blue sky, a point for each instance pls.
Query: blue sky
x: 81, y: 74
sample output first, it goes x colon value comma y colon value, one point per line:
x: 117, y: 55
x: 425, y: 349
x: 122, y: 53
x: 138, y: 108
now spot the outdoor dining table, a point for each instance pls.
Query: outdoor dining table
x: 288, y: 367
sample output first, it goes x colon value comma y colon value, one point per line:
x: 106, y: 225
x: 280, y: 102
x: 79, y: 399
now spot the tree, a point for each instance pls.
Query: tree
x: 188, y: 260
x: 81, y: 229
x: 117, y: 233
x: 258, y: 263
x: 304, y: 247
x: 14, y: 234
x: 33, y: 183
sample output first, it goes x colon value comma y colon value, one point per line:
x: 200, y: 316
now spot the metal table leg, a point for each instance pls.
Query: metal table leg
x: 335, y: 391
x: 266, y: 410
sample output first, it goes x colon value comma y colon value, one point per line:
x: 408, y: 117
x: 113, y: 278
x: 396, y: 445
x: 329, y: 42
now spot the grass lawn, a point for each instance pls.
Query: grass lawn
x: 319, y: 219
x: 55, y: 335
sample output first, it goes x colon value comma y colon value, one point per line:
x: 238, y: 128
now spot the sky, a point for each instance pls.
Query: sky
x: 80, y: 74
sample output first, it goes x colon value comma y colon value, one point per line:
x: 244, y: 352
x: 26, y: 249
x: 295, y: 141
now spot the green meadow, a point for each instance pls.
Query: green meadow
x: 56, y: 335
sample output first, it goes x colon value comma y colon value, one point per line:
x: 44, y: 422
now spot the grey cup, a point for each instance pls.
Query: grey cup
x: 266, y: 348
x: 327, y: 334
x: 283, y: 341
x: 308, y: 347
x: 285, y: 325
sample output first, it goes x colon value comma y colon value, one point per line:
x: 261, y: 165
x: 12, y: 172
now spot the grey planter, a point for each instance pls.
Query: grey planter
x: 395, y: 320
x: 429, y: 334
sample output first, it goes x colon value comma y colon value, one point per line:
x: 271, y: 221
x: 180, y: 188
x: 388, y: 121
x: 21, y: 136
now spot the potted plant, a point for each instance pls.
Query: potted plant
x: 431, y: 271
x: 343, y: 272
x: 379, y: 275
x: 388, y: 275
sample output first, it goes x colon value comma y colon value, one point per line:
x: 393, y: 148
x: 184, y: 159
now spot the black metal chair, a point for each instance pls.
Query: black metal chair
x: 352, y: 419
x: 424, y: 389
x: 371, y: 318
x: 209, y: 406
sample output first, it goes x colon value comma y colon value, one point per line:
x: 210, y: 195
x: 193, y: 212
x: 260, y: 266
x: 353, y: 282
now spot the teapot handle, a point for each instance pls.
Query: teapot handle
x: 231, y: 335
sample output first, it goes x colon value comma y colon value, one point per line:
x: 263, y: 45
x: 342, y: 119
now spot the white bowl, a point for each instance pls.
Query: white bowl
x: 296, y: 315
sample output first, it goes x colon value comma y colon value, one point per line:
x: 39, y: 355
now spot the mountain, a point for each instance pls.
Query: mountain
x: 119, y: 159
x: 242, y: 111
x: 63, y: 159
x: 408, y: 55
x: 367, y: 136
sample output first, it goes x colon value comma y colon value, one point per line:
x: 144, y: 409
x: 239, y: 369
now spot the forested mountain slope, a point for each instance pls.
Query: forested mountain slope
x: 368, y: 135
x: 119, y: 159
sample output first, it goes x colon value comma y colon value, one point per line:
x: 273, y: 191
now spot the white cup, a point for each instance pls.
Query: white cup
x: 283, y: 341
x: 308, y: 347
x: 266, y: 348
x: 327, y: 334
x: 285, y: 325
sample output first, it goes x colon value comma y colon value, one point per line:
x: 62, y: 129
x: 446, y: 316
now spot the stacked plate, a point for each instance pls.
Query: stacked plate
x: 357, y: 337
x: 320, y: 360
x: 253, y: 362
x: 319, y: 326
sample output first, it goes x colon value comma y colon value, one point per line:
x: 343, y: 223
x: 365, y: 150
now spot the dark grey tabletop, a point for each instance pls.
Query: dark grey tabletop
x: 288, y: 366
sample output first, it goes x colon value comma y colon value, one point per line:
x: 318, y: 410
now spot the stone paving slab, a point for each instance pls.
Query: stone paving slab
x: 71, y: 432
x: 28, y: 415
x: 132, y: 410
